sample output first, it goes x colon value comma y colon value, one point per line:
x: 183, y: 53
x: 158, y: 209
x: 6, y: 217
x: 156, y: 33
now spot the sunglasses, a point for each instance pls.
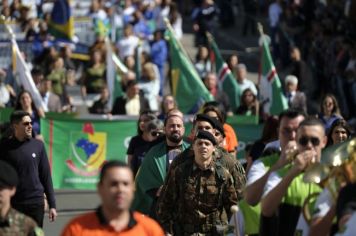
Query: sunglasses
x: 305, y: 140
x: 26, y: 123
x: 155, y: 133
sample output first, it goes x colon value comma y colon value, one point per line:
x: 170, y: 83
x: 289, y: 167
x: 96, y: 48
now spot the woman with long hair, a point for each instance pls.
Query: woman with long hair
x: 168, y: 103
x: 249, y: 104
x: 25, y: 103
x: 94, y: 77
x: 149, y: 129
x: 202, y: 62
x: 329, y: 110
x: 339, y: 132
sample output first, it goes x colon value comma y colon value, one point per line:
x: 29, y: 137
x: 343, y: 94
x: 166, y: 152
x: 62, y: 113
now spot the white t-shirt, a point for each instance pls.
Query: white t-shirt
x: 274, y: 144
x: 322, y: 206
x: 246, y: 83
x: 257, y: 170
x: 273, y: 180
x: 323, y: 203
x: 302, y: 228
x: 127, y: 46
x: 4, y: 95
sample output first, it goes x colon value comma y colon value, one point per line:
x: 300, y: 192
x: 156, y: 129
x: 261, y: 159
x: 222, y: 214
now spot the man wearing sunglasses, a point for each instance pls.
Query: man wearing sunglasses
x: 285, y: 191
x: 28, y: 156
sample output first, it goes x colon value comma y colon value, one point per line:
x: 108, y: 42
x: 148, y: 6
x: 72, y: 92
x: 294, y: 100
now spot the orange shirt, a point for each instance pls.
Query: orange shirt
x: 231, y: 142
x: 94, y: 224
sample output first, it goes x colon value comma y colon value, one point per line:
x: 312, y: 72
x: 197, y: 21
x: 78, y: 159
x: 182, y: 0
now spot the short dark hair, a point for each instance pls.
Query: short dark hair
x: 291, y: 114
x: 17, y: 116
x: 312, y: 121
x: 36, y: 71
x: 131, y: 83
x: 111, y: 164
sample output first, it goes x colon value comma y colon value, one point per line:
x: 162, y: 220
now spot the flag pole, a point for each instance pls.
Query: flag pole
x: 260, y: 28
x: 209, y: 36
x: 8, y: 28
x: 170, y: 28
x: 26, y: 79
x: 12, y: 36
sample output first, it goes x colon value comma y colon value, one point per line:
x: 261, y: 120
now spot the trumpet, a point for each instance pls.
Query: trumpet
x: 337, y: 167
x: 291, y: 154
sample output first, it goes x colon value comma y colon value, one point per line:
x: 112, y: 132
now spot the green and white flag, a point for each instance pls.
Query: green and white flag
x: 271, y: 93
x: 227, y: 81
x: 187, y: 87
x: 113, y: 76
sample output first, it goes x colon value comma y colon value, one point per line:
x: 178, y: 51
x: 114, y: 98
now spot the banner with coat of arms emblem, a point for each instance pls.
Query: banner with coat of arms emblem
x: 77, y: 149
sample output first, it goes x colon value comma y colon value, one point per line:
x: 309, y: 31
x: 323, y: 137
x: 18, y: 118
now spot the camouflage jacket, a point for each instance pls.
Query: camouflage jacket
x: 18, y: 224
x: 225, y: 158
x: 196, y: 200
x: 235, y: 168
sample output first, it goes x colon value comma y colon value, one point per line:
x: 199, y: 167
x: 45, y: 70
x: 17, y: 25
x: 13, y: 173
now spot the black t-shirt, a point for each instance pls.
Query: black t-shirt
x: 138, y: 147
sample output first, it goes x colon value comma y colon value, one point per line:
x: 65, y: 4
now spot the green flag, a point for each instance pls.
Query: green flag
x: 78, y: 148
x: 187, y: 87
x: 270, y: 86
x: 151, y: 176
x: 227, y: 82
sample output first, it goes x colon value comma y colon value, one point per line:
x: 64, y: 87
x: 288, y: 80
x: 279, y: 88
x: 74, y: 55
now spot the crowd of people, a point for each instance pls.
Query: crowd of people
x: 194, y: 184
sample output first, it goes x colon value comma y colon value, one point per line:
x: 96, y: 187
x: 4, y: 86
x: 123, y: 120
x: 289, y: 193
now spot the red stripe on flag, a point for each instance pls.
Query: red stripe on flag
x: 271, y: 75
x: 50, y: 144
x: 223, y: 72
x: 212, y: 57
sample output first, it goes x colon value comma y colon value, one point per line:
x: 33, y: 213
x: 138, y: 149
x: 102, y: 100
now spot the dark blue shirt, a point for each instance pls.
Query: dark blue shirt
x: 30, y: 160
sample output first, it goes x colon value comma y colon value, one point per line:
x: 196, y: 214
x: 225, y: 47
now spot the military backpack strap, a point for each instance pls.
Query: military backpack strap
x: 220, y: 172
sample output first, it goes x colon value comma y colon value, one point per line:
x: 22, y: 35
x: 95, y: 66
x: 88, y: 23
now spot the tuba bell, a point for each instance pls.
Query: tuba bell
x: 336, y: 168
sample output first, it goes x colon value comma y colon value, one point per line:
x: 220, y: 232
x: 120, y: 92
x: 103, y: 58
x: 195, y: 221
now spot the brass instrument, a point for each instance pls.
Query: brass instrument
x: 337, y: 167
x: 291, y: 154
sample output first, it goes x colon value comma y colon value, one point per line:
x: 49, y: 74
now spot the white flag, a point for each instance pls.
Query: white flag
x: 25, y: 76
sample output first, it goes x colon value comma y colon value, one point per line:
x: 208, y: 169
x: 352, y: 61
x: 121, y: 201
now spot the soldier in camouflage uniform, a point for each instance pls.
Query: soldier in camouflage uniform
x: 13, y: 222
x: 199, y: 193
x: 204, y: 122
